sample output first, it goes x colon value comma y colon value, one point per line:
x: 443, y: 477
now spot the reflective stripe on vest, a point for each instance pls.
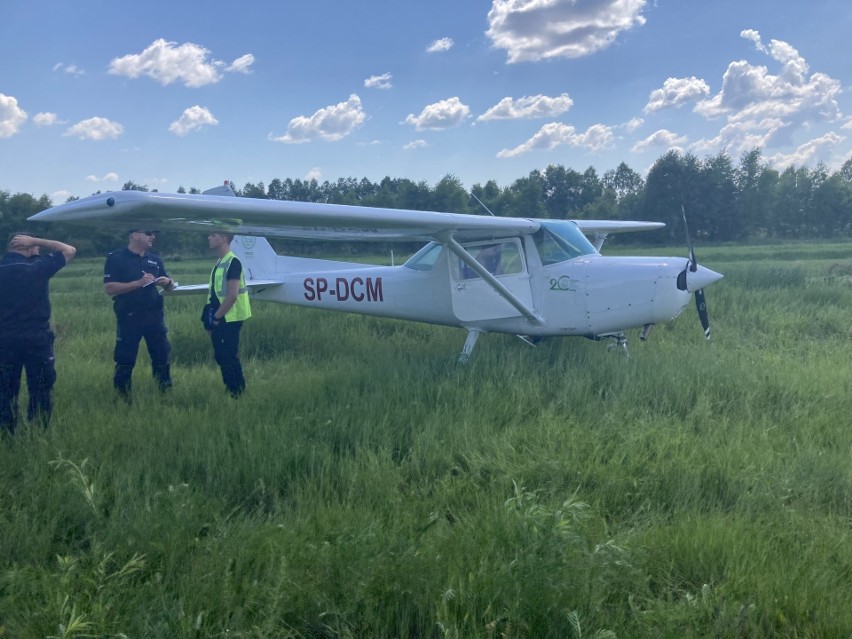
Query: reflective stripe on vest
x: 241, y: 310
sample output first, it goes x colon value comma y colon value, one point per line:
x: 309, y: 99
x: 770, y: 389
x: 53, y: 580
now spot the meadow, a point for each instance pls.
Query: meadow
x: 366, y: 485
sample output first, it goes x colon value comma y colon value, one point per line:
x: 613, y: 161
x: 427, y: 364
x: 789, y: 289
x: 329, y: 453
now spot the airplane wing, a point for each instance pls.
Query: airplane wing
x: 598, y: 230
x: 277, y: 218
x: 596, y: 227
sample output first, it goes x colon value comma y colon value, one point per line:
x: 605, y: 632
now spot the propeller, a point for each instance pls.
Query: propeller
x: 683, y: 284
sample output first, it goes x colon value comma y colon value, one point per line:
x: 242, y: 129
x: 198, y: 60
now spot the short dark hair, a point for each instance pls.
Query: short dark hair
x: 230, y: 236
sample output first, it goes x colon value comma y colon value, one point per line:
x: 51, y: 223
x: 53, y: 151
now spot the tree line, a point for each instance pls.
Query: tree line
x: 725, y: 201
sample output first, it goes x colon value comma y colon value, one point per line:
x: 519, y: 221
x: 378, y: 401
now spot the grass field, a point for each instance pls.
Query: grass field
x: 368, y: 486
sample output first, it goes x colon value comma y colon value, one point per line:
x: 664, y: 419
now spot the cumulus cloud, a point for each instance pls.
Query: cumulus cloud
x: 765, y: 108
x: 331, y: 123
x: 808, y: 152
x: 444, y: 44
x: 676, y: 92
x: 662, y: 139
x: 45, y: 119
x: 313, y: 174
x: 531, y: 30
x: 556, y: 134
x: 95, y: 129
x: 168, y: 62
x: 528, y: 107
x: 12, y: 117
x: 379, y: 81
x: 440, y: 115
x: 193, y: 119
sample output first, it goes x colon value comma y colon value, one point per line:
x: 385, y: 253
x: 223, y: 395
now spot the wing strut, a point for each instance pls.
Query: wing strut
x: 480, y: 270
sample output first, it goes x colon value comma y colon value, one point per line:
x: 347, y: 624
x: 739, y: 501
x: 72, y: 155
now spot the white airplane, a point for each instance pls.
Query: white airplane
x: 533, y: 278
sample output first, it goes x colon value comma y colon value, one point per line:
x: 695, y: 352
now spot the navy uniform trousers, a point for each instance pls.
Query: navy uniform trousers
x: 226, y: 347
x: 30, y: 351
x: 130, y: 330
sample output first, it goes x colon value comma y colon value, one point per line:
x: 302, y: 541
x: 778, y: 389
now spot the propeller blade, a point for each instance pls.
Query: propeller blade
x: 701, y: 305
x: 693, y: 263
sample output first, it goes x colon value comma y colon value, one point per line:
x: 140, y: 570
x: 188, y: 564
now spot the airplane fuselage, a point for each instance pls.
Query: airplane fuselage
x: 589, y: 295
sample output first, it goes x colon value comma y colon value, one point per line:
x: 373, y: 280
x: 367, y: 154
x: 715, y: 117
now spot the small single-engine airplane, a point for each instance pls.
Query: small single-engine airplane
x: 533, y: 278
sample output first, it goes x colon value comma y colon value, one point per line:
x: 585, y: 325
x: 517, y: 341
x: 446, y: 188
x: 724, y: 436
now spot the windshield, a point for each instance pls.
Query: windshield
x: 425, y: 258
x: 561, y: 240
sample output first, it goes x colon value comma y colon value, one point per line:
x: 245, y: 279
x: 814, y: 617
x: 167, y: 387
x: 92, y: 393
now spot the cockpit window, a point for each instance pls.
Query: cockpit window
x: 559, y: 241
x: 425, y: 258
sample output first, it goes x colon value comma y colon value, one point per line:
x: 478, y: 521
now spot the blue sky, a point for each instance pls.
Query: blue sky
x: 96, y: 92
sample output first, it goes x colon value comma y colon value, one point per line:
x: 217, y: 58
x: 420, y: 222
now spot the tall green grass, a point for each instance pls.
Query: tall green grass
x: 368, y: 486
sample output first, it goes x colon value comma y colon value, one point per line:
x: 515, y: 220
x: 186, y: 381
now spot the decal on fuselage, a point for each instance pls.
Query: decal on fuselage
x: 357, y: 289
x: 561, y: 284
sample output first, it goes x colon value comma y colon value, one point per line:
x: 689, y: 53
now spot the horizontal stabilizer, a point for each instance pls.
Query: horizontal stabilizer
x: 197, y: 289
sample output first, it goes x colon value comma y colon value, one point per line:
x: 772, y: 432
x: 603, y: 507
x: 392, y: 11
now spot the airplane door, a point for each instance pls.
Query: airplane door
x: 474, y: 298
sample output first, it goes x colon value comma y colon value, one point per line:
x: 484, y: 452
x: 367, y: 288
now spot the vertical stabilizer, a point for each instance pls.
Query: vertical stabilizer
x: 258, y: 257
x: 225, y: 189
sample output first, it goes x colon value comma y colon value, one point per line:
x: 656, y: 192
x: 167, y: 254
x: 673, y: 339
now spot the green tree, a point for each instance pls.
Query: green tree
x: 449, y: 195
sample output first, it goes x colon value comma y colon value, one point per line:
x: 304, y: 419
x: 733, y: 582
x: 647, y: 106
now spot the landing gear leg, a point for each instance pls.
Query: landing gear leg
x: 469, y: 343
x: 620, y: 340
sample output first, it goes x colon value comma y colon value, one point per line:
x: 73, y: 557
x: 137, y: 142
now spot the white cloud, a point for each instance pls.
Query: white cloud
x: 379, y: 81
x: 444, y: 44
x: 95, y: 129
x: 415, y: 144
x: 241, y: 64
x: 676, y: 92
x: 807, y: 152
x: 750, y: 91
x: 528, y: 107
x: 168, y: 62
x: 764, y: 109
x: 12, y: 117
x: 109, y: 177
x: 70, y: 69
x: 632, y: 124
x: 556, y: 134
x: 45, y: 119
x: 662, y: 139
x: 440, y: 115
x: 531, y: 30
x: 331, y: 123
x: 314, y: 174
x: 739, y: 136
x: 193, y: 119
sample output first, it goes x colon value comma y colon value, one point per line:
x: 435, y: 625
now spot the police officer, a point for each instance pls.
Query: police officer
x: 227, y: 308
x: 131, y: 278
x: 26, y: 341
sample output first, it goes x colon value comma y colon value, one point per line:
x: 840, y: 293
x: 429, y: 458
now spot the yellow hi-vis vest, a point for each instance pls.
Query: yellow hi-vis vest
x: 241, y: 310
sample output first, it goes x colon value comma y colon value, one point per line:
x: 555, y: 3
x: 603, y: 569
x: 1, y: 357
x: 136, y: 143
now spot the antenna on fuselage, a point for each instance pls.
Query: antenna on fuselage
x: 482, y: 205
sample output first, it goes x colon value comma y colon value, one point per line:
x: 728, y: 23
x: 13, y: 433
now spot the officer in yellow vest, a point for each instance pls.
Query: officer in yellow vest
x: 227, y: 308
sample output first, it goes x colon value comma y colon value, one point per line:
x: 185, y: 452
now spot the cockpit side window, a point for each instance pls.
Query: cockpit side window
x: 498, y: 258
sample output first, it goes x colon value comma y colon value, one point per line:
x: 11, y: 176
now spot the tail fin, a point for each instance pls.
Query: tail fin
x: 259, y: 260
x: 225, y: 189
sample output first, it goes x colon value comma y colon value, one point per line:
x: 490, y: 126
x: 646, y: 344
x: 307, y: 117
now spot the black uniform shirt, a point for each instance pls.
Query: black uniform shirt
x: 126, y: 266
x: 24, y: 299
